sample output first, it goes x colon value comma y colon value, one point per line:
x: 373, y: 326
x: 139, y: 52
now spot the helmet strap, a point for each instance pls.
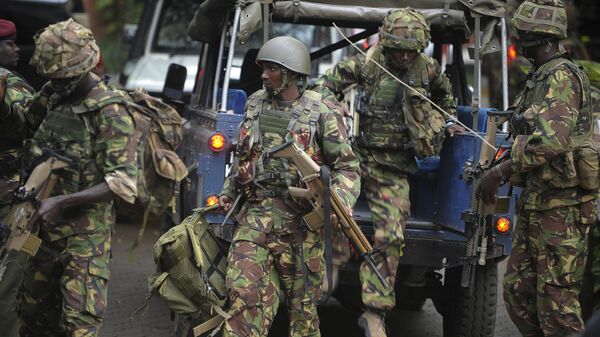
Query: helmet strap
x: 285, y: 83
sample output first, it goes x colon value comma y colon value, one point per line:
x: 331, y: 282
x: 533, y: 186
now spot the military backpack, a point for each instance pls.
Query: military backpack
x: 191, y: 273
x: 158, y: 133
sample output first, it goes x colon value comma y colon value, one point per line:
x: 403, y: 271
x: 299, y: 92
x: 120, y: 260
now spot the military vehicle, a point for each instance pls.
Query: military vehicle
x: 453, y: 245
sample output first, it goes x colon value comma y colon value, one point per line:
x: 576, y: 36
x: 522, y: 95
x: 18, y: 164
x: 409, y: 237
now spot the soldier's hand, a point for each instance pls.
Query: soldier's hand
x: 335, y: 221
x: 49, y: 210
x: 487, y: 189
x: 453, y: 129
x: 225, y: 202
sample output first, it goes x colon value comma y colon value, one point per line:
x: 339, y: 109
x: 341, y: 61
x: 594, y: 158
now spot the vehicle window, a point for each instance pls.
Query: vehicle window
x: 171, y: 33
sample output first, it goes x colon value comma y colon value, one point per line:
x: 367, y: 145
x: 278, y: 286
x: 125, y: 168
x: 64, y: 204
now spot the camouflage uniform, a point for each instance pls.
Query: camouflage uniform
x: 381, y: 145
x: 272, y: 250
x: 65, y: 284
x: 551, y: 125
x: 15, y: 126
x: 592, y: 69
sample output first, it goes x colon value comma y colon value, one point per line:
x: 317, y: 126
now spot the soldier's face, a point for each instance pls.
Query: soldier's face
x: 272, y: 76
x: 402, y: 58
x: 9, y: 53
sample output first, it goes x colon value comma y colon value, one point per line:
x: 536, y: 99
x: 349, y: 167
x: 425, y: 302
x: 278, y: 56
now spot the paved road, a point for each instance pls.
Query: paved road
x: 127, y: 291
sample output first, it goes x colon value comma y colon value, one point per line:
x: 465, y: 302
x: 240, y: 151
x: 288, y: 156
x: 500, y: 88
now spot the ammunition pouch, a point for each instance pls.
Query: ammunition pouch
x: 587, y: 165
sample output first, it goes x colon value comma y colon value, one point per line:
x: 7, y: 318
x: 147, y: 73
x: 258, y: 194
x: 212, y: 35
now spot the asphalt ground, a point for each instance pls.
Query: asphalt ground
x: 128, y: 288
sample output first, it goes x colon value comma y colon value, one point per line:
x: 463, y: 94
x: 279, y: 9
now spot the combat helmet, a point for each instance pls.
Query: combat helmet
x: 65, y: 50
x: 404, y: 29
x: 537, y: 20
x: 286, y: 51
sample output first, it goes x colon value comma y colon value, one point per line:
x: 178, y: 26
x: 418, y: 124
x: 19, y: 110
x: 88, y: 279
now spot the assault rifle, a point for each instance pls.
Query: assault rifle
x: 15, y: 229
x: 311, y: 176
x: 480, y: 216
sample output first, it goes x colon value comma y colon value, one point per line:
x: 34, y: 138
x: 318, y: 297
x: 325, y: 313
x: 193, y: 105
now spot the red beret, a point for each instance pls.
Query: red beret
x: 7, y: 28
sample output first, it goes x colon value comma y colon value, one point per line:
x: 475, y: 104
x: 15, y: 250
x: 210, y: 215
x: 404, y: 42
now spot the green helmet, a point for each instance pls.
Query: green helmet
x: 65, y: 50
x: 541, y: 19
x: 404, y: 29
x: 286, y: 51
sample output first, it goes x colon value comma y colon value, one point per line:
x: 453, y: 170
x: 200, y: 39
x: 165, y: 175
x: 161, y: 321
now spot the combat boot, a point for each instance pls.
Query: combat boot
x: 373, y: 324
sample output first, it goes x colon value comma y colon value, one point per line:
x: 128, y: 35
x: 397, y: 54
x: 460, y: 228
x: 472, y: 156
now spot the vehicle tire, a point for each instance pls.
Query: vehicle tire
x: 471, y: 312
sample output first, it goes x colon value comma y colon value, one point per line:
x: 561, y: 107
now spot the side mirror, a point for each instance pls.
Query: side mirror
x: 174, y: 83
x: 129, y: 31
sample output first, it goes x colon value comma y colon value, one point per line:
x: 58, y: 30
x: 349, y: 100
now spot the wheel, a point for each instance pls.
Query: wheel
x: 471, y: 312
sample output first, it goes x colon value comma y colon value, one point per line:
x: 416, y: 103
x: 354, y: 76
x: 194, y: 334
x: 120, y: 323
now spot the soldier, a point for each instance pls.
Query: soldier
x: 553, y: 160
x: 15, y: 98
x: 382, y: 137
x: 271, y: 248
x: 65, y: 284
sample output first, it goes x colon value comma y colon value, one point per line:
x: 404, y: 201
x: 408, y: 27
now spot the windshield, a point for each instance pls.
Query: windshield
x: 171, y: 32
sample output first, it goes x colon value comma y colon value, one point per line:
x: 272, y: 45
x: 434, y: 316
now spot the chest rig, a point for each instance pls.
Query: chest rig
x: 383, y: 125
x: 535, y: 90
x: 271, y: 127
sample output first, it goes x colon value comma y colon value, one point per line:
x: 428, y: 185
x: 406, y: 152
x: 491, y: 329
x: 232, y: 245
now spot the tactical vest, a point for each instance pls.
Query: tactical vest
x: 383, y: 126
x: 579, y: 166
x: 270, y: 128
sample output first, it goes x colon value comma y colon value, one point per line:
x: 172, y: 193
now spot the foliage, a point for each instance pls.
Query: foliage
x: 115, y: 14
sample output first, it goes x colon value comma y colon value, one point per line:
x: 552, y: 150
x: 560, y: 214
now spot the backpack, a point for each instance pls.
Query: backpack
x: 158, y: 131
x: 191, y: 265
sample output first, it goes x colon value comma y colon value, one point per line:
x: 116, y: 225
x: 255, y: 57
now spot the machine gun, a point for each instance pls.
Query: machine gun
x: 15, y: 229
x: 311, y: 176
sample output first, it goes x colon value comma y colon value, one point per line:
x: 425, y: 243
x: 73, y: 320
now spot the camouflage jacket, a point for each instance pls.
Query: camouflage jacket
x: 264, y: 181
x: 15, y: 123
x: 101, y: 144
x: 382, y: 131
x: 552, y: 117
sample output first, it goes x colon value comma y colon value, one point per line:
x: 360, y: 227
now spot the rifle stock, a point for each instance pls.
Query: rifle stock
x: 311, y: 174
x: 39, y: 186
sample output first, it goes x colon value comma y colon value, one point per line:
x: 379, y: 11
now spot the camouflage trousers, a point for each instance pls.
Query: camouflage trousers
x: 594, y: 264
x: 261, y: 266
x: 64, y: 287
x: 9, y: 286
x: 545, y: 270
x: 387, y: 193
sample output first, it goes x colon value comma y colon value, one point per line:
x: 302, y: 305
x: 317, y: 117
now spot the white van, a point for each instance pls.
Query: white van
x: 161, y: 39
